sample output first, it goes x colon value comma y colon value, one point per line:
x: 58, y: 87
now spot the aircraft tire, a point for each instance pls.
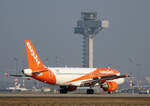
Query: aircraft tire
x: 90, y: 91
x: 109, y: 92
x: 63, y: 91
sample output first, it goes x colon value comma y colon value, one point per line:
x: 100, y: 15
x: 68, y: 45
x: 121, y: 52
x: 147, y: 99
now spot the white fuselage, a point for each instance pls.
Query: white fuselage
x: 64, y: 75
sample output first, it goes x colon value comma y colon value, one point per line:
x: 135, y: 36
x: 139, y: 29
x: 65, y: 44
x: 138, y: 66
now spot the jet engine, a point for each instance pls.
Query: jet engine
x: 110, y: 86
x: 71, y: 88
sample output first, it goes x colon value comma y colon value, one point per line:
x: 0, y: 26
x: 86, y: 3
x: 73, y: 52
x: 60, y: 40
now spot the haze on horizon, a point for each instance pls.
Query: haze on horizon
x: 50, y: 26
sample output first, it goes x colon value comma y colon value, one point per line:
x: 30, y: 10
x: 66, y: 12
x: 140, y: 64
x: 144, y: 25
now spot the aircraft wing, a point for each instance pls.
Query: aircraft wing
x: 111, y: 77
x: 101, y: 80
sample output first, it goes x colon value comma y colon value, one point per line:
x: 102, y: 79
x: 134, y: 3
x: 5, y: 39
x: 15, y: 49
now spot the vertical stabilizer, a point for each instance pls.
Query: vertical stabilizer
x: 34, y: 61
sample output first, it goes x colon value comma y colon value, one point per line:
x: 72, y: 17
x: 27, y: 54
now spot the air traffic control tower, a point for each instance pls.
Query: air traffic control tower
x: 89, y: 26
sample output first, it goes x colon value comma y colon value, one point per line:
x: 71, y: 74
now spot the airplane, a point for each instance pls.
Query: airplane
x: 69, y: 78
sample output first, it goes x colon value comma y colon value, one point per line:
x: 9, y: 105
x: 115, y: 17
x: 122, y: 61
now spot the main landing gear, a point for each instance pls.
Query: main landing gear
x: 109, y: 92
x: 90, y: 91
x: 63, y: 90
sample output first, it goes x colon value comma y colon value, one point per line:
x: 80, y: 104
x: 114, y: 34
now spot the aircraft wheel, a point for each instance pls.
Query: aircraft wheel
x: 109, y: 92
x: 63, y: 91
x: 90, y: 91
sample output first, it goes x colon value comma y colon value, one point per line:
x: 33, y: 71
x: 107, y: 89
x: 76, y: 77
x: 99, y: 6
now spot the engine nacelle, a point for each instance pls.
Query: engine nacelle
x: 27, y: 72
x: 110, y: 86
x: 119, y: 80
x: 71, y: 88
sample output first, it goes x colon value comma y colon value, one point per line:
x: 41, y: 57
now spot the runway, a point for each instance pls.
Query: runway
x: 42, y: 99
x: 36, y: 94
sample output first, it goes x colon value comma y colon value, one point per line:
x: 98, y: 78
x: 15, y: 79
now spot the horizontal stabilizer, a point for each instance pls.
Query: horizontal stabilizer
x: 16, y: 75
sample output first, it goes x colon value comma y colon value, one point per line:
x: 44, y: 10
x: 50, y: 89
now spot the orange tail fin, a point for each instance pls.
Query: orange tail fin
x: 34, y: 61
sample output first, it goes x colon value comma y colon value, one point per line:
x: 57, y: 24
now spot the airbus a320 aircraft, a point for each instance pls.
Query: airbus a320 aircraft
x: 70, y: 78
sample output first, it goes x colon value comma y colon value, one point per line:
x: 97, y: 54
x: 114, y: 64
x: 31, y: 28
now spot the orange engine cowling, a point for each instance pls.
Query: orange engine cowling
x: 110, y: 86
x: 71, y: 88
